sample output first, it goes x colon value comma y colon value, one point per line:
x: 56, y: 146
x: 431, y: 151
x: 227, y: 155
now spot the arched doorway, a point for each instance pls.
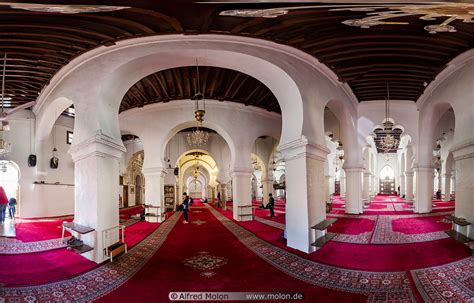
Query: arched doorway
x: 387, y: 180
x: 9, y: 179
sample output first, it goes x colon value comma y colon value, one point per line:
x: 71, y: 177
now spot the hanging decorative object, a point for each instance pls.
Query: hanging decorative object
x: 5, y: 147
x: 196, y: 169
x: 198, y: 137
x: 54, y: 162
x: 379, y: 13
x: 388, y: 142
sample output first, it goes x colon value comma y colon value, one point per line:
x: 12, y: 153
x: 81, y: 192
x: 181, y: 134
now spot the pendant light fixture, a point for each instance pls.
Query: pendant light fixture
x: 5, y: 147
x: 388, y: 142
x: 198, y: 137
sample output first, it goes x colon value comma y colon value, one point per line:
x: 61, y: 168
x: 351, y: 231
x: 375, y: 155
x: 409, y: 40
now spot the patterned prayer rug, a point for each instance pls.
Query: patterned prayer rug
x: 270, y: 223
x: 379, y: 286
x: 205, y: 262
x: 384, y: 233
x: 98, y: 282
x: 453, y: 282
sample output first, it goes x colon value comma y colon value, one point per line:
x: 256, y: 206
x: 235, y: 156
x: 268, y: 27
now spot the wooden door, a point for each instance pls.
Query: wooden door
x: 125, y: 196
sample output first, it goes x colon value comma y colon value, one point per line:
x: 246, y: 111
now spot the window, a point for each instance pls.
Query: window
x: 69, y: 136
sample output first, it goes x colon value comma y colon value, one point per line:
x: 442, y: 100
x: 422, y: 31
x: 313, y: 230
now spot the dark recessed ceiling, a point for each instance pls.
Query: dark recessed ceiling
x: 129, y: 137
x: 407, y: 57
x: 215, y: 83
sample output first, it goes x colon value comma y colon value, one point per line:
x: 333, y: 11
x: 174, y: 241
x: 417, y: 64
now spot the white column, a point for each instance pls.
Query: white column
x: 447, y: 187
x: 43, y: 156
x: 96, y: 192
x: 354, y: 203
x: 329, y: 184
x: 154, y: 191
x: 267, y: 189
x: 424, y: 189
x: 374, y: 186
x: 305, y: 191
x: 440, y: 181
x: 464, y: 156
x: 402, y: 185
x: 409, y: 186
x: 366, y: 192
x: 342, y: 185
x: 242, y: 193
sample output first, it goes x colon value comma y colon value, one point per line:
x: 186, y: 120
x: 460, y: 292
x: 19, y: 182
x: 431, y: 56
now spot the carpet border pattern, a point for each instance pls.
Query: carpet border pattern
x: 97, y: 282
x: 453, y: 282
x: 378, y: 286
x: 384, y: 233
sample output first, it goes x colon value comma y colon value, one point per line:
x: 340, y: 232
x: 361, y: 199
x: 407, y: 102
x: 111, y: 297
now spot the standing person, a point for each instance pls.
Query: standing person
x: 185, y: 205
x: 12, y: 207
x: 3, y: 204
x: 270, y: 205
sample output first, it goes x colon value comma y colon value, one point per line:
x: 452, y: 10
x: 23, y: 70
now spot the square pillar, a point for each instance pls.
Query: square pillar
x: 446, y: 190
x: 154, y: 192
x: 409, y: 186
x: 305, y: 191
x: 354, y: 203
x: 96, y: 192
x: 366, y: 192
x: 402, y: 185
x: 242, y: 194
x: 267, y: 189
x: 464, y: 157
x: 424, y: 189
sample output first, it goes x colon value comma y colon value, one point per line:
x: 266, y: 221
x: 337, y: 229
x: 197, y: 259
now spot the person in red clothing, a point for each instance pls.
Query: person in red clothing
x: 3, y: 204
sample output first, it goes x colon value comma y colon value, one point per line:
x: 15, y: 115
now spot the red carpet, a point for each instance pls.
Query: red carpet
x: 370, y: 257
x: 38, y: 231
x: 420, y: 225
x: 44, y: 267
x: 352, y: 226
x: 240, y: 270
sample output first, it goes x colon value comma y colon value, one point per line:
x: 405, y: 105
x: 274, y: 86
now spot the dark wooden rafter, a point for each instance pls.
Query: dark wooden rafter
x: 216, y: 83
x: 405, y: 56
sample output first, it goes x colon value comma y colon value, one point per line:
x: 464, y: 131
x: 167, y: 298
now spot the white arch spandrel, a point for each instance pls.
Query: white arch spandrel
x: 103, y: 75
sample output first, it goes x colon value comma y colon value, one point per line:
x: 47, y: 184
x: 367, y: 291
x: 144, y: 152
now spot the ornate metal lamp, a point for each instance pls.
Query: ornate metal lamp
x: 388, y: 142
x: 198, y: 137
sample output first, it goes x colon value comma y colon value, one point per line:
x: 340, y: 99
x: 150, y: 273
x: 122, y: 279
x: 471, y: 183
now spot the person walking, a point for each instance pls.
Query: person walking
x: 271, y: 204
x: 3, y: 204
x: 12, y: 207
x: 185, y: 207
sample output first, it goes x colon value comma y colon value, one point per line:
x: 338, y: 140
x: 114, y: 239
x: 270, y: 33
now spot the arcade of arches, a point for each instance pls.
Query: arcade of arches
x: 292, y: 129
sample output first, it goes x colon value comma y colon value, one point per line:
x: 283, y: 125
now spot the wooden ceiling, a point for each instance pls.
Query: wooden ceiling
x: 407, y: 57
x: 215, y: 83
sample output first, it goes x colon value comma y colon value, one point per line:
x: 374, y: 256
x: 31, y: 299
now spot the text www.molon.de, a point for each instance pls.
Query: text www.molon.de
x: 235, y: 296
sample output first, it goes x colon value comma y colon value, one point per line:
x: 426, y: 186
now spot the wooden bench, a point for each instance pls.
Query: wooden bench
x: 323, y: 226
x: 80, y: 230
x: 117, y: 248
x: 455, y: 234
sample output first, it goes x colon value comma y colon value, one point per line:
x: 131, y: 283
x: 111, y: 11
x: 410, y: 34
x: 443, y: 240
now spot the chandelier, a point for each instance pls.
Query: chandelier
x: 5, y: 147
x: 196, y: 169
x: 198, y: 137
x: 388, y: 142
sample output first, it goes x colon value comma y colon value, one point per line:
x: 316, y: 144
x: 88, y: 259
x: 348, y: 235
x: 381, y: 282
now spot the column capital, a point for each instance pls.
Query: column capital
x: 427, y: 168
x: 367, y: 175
x: 463, y: 150
x: 241, y: 173
x: 100, y: 145
x: 154, y: 171
x: 353, y: 169
x: 447, y: 175
x: 303, y: 148
x: 409, y: 174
